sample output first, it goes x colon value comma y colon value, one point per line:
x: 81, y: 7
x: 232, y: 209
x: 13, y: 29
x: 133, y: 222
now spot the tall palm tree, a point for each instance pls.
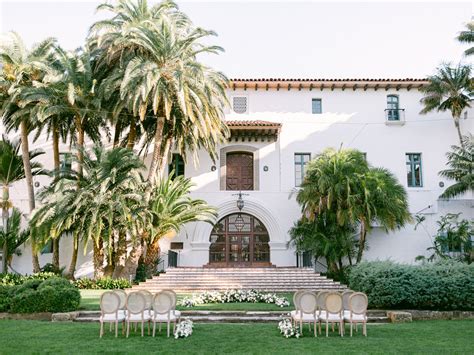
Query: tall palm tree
x: 461, y: 168
x: 20, y: 68
x: 171, y: 207
x: 161, y: 72
x: 12, y: 170
x: 450, y: 89
x: 341, y: 182
x: 467, y: 36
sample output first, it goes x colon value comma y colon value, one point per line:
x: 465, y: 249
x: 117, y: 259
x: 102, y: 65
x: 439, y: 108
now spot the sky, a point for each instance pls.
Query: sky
x: 286, y: 39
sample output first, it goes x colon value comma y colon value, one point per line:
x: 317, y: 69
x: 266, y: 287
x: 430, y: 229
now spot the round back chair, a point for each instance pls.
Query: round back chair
x: 148, y: 298
x: 136, y: 302
x: 173, y: 297
x: 334, y: 302
x: 345, y: 298
x: 322, y: 299
x: 122, y: 295
x: 308, y: 302
x: 162, y: 302
x: 109, y: 302
x: 296, y: 298
x: 358, y: 303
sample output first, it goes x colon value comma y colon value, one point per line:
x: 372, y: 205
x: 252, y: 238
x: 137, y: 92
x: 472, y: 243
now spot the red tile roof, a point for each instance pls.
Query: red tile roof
x: 327, y: 80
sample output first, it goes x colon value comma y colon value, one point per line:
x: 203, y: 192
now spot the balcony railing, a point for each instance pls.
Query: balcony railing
x: 394, y: 116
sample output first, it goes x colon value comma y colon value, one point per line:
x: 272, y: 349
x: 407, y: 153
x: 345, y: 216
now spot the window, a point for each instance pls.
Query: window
x: 393, y: 108
x: 65, y: 163
x: 239, y: 171
x: 301, y: 159
x: 177, y: 166
x: 317, y: 106
x: 414, y: 177
x: 48, y: 247
x: 239, y: 104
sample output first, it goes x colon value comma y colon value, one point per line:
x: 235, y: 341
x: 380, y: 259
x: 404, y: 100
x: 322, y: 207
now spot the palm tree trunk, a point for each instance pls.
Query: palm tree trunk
x: 25, y: 152
x: 151, y: 257
x: 98, y: 258
x: 458, y: 128
x: 5, y: 198
x: 156, y: 150
x: 117, y: 134
x: 362, y: 239
x: 164, y: 157
x: 80, y: 144
x: 55, y: 260
x: 132, y: 134
x: 72, y: 265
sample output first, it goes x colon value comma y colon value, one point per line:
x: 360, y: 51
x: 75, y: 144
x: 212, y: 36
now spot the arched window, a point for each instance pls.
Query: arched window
x: 239, y: 239
x: 393, y: 108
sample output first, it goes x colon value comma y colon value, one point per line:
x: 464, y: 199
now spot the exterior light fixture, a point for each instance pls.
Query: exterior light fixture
x: 265, y: 168
x: 239, y: 221
x: 213, y: 168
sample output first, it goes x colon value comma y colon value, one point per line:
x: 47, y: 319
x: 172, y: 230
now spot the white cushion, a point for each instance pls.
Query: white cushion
x: 332, y: 317
x: 163, y: 317
x: 137, y: 317
x: 177, y: 314
x: 356, y: 317
x: 307, y: 317
x: 110, y: 317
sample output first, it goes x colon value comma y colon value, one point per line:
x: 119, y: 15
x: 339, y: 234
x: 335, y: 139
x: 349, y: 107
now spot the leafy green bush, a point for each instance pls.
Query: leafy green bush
x: 445, y: 285
x: 17, y: 279
x: 5, y: 297
x: 103, y: 283
x: 51, y: 295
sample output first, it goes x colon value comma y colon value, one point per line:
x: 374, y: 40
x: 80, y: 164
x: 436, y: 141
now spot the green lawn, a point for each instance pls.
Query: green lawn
x: 25, y: 337
x: 90, y: 301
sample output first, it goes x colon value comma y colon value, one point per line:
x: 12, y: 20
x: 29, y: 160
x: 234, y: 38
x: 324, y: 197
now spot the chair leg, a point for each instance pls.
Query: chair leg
x: 110, y: 326
x: 123, y: 327
x: 327, y: 329
x: 351, y: 328
x: 128, y: 328
x: 116, y: 328
x: 365, y: 328
x: 136, y: 326
x: 101, y: 331
x: 154, y: 329
x: 315, y: 329
x: 149, y: 323
x: 168, y: 325
x: 332, y: 326
x: 159, y: 327
x: 341, y: 327
x: 143, y: 326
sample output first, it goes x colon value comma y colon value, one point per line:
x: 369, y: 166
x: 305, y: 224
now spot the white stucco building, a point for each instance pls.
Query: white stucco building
x: 277, y: 125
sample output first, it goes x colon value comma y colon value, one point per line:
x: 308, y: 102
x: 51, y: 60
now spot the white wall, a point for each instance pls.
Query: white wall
x: 350, y: 118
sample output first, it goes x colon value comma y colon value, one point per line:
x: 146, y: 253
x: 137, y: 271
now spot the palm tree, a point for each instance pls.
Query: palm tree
x: 20, y: 68
x: 461, y: 168
x: 341, y: 182
x: 161, y: 73
x: 96, y: 205
x: 467, y: 36
x: 13, y: 237
x: 171, y: 207
x: 11, y: 171
x: 450, y: 89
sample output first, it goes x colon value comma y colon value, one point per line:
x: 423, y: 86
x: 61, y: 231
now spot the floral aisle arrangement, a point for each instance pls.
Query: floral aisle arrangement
x: 233, y: 296
x: 184, y: 329
x: 287, y: 329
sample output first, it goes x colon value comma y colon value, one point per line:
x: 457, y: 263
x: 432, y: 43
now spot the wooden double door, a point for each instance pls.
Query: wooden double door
x: 239, y: 240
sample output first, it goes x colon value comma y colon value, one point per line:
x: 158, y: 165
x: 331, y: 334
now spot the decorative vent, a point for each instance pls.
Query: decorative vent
x: 239, y: 104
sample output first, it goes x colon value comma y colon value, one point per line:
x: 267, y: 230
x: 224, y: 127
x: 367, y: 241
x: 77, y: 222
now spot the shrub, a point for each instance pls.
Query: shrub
x: 51, y: 295
x: 103, y: 283
x: 5, y: 297
x: 445, y: 285
x: 17, y: 279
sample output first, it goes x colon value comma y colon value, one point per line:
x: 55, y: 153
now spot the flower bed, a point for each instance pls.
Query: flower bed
x: 233, y: 296
x: 287, y: 329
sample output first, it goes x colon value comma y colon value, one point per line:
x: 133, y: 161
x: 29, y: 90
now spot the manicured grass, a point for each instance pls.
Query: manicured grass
x: 25, y: 337
x: 90, y: 301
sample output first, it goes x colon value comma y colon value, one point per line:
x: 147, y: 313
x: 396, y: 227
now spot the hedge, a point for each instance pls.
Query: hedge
x: 17, y: 279
x: 103, y: 283
x: 445, y: 285
x: 51, y: 295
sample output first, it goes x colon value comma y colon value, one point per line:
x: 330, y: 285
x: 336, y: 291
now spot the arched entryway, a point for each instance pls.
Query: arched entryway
x: 239, y: 239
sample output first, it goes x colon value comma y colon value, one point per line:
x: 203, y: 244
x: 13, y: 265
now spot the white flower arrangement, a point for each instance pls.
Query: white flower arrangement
x: 287, y: 329
x: 233, y: 296
x: 184, y: 329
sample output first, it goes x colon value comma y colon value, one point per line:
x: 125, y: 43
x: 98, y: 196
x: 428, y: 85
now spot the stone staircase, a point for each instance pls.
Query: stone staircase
x: 186, y: 280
